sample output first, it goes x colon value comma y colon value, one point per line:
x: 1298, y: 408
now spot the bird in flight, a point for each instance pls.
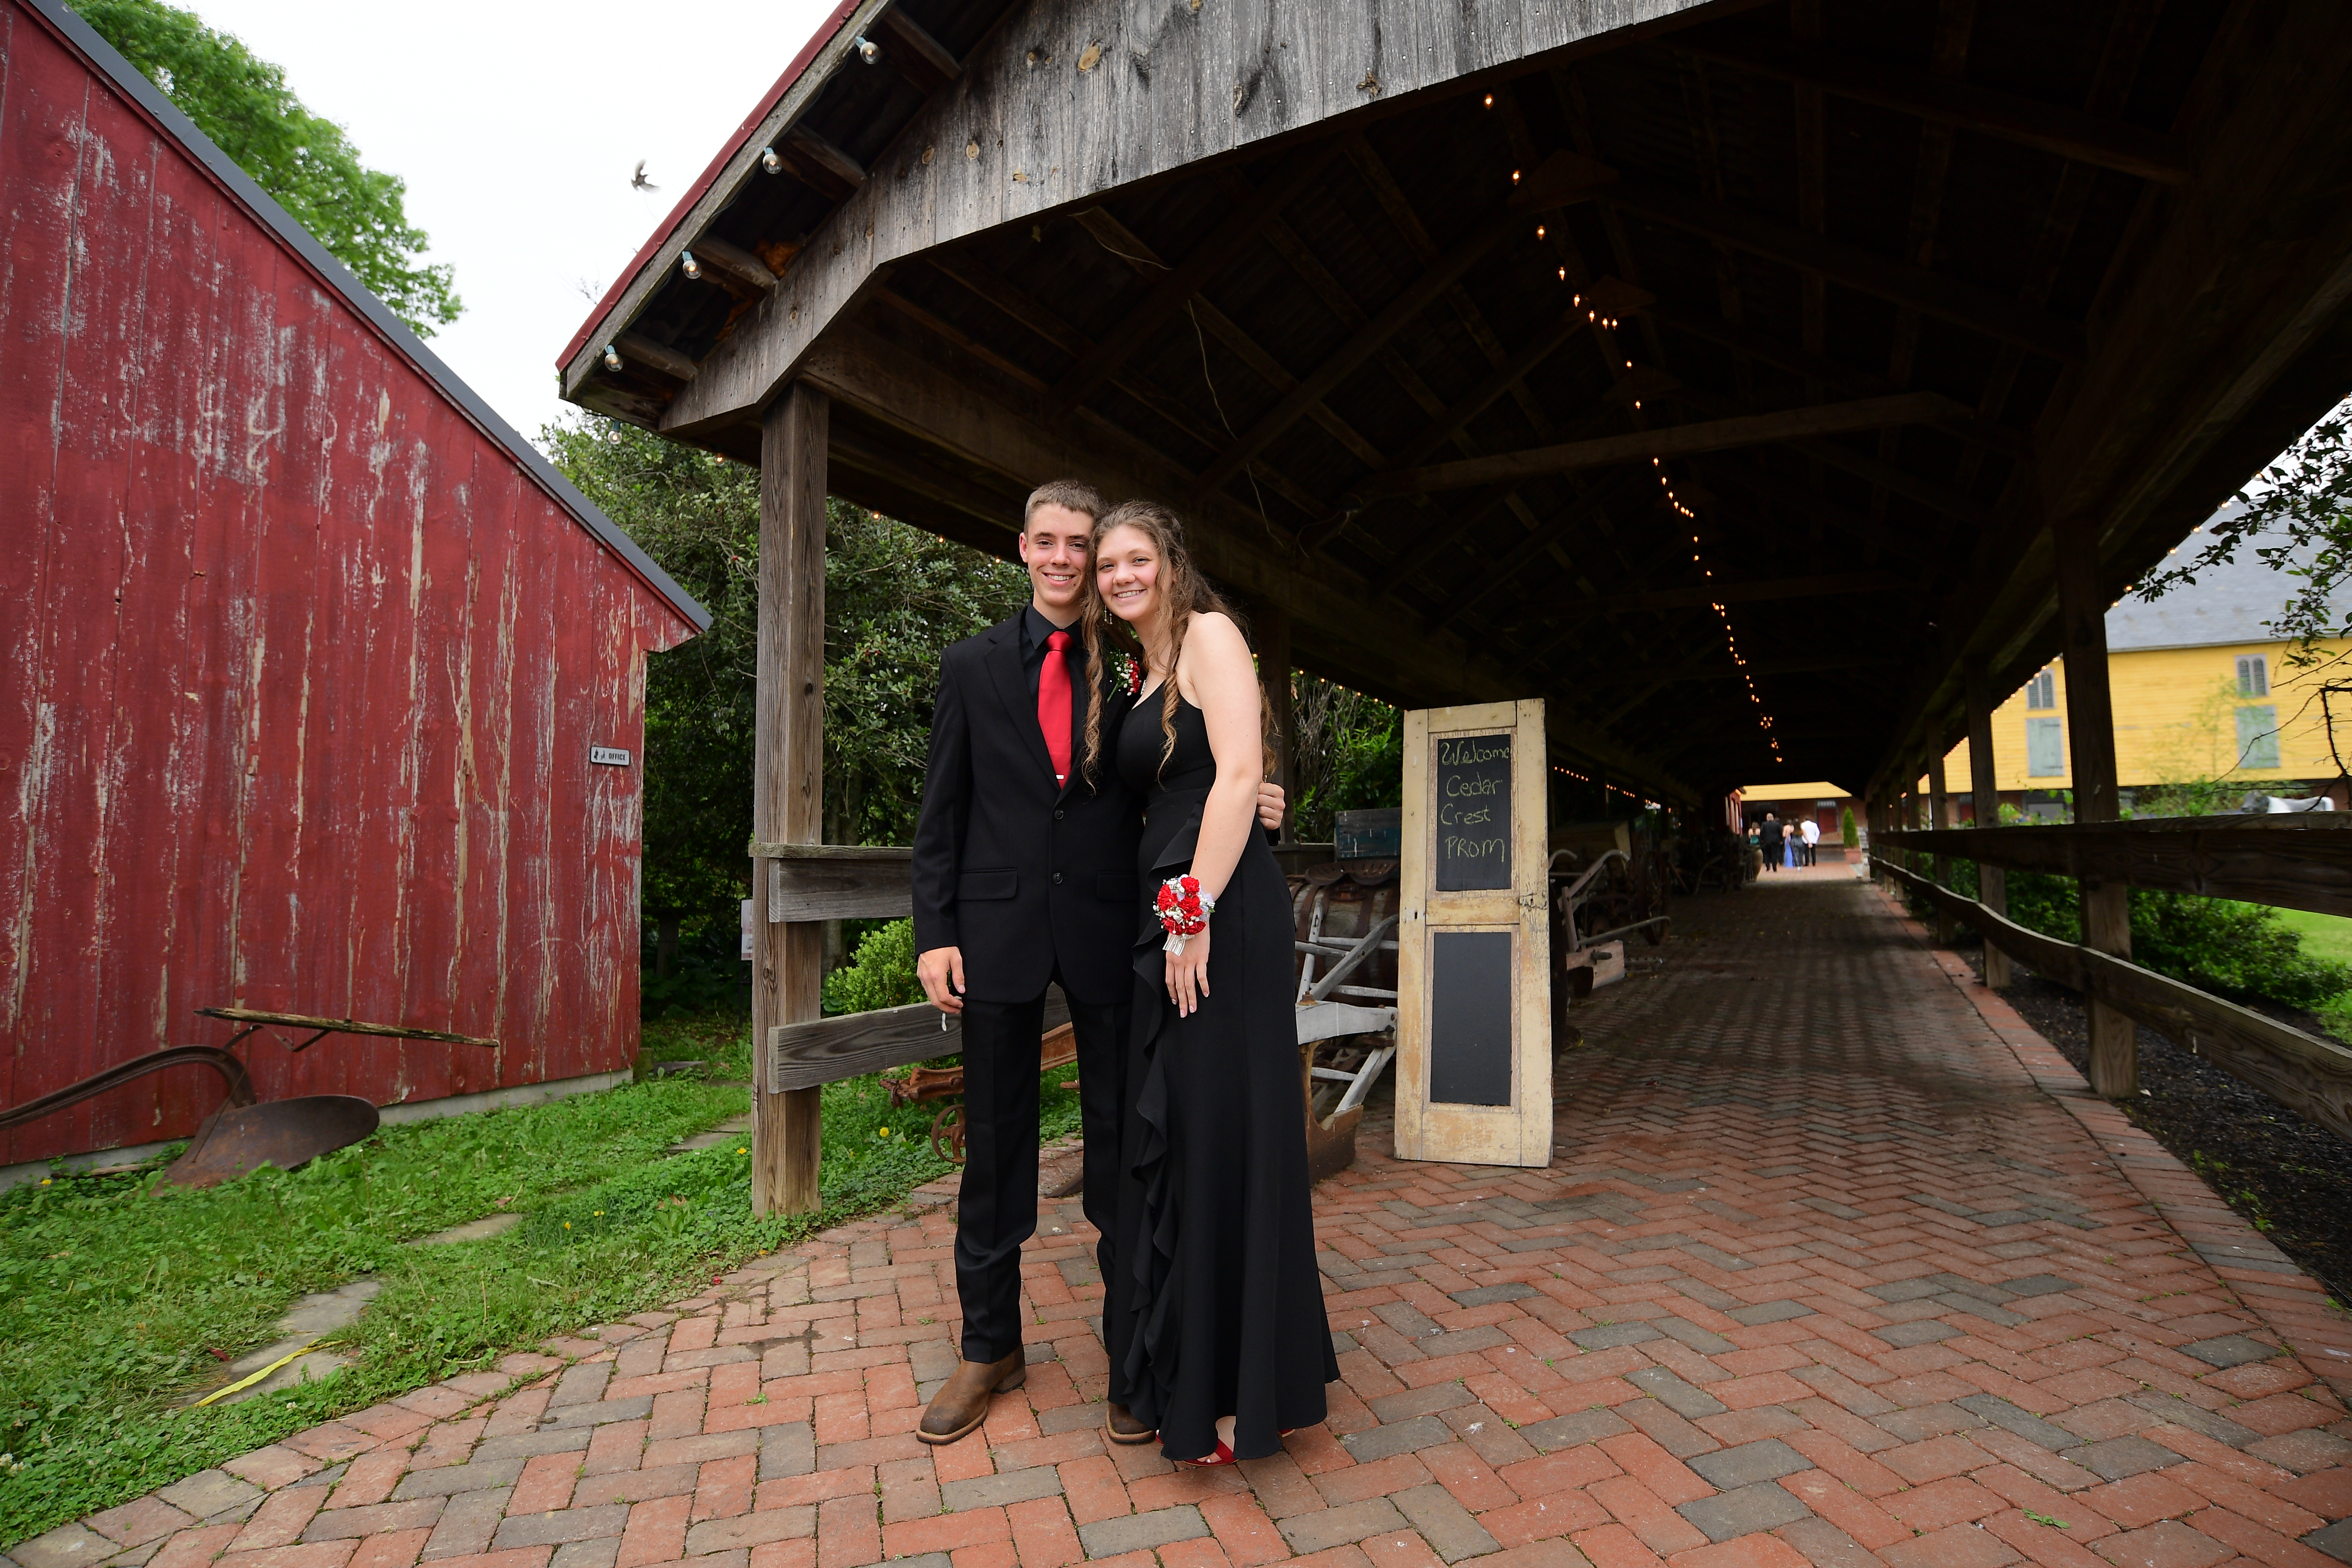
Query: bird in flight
x: 638, y: 181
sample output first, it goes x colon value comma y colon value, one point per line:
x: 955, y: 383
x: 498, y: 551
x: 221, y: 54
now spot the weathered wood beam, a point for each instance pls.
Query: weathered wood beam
x: 1191, y: 275
x: 913, y: 53
x: 804, y: 146
x: 1962, y: 423
x: 1074, y: 137
x: 1984, y: 804
x: 807, y: 1057
x: 1507, y: 568
x: 639, y: 349
x: 2114, y: 1046
x: 2288, y: 861
x: 1564, y: 178
x: 1863, y: 466
x: 837, y: 882
x: 993, y: 426
x: 735, y: 261
x: 788, y: 776
x: 1130, y: 247
x: 1936, y: 294
x: 1673, y: 441
x: 2053, y: 128
x: 1829, y: 586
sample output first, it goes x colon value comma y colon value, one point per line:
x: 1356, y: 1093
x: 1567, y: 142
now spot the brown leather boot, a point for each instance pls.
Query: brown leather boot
x: 961, y: 1404
x: 1120, y: 1427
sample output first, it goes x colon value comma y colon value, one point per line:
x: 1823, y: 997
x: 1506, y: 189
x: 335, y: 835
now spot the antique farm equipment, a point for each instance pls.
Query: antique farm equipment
x: 920, y: 1085
x: 1609, y: 880
x: 1345, y: 919
x: 241, y: 1135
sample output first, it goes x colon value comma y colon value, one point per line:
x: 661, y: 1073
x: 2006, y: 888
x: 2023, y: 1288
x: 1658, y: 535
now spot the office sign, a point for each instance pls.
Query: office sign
x: 1474, y: 995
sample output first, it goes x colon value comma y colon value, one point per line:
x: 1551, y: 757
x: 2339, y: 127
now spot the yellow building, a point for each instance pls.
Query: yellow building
x: 2202, y: 693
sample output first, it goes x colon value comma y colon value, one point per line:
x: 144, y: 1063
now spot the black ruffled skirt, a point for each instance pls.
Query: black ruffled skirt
x: 1214, y: 1305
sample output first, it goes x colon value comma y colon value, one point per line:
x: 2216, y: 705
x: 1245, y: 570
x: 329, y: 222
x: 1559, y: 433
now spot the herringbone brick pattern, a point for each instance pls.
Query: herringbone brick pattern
x: 1836, y: 1263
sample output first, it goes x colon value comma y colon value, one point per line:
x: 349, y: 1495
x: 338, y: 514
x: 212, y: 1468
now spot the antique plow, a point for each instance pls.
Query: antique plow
x: 241, y: 1136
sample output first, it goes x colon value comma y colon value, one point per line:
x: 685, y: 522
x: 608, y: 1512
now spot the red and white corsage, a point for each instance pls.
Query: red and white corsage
x: 1184, y: 910
x: 1129, y: 673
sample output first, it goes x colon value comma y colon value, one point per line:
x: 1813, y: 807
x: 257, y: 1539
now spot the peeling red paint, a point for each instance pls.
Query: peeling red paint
x: 302, y: 667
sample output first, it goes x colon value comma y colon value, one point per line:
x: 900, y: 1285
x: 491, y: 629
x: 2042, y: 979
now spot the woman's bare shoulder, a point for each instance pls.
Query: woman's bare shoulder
x: 1218, y: 632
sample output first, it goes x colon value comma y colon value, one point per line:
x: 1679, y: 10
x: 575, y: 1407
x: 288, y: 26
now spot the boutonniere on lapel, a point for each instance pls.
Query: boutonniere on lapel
x: 1127, y: 673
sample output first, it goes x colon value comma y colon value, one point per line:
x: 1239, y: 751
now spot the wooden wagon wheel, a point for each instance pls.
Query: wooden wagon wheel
x: 947, y: 1133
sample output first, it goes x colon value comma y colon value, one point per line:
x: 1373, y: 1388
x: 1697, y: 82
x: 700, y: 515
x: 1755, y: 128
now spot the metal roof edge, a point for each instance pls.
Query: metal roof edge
x: 133, y: 84
x: 826, y: 32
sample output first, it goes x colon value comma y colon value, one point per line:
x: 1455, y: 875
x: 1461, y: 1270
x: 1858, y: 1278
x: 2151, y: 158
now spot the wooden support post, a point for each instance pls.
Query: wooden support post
x: 1272, y: 630
x: 1939, y: 808
x: 788, y: 782
x: 1984, y: 797
x: 2091, y: 749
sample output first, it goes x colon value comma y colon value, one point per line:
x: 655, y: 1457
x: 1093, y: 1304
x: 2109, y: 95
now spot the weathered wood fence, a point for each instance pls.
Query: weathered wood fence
x: 2301, y: 863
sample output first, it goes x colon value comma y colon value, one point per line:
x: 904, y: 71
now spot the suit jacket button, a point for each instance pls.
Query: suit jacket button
x: 1058, y: 878
x: 1057, y: 814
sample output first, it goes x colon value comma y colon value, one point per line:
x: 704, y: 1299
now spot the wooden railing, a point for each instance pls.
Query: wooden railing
x: 2309, y: 1075
x: 2296, y: 861
x: 825, y: 1050
x: 837, y: 882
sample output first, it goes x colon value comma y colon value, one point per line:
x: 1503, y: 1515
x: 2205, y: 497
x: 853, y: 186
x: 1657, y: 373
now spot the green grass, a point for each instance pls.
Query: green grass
x: 724, y: 1041
x: 114, y: 1289
x: 2328, y: 936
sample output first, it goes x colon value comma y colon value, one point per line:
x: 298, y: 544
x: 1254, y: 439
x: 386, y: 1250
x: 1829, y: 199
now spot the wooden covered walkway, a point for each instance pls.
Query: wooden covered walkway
x: 1838, y: 1263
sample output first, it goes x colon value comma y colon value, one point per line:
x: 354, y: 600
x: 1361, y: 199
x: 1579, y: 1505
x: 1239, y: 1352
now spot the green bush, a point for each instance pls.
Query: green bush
x: 1847, y: 832
x: 881, y: 975
x: 2231, y: 949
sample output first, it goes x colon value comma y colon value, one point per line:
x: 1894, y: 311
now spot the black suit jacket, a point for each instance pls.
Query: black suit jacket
x: 1019, y: 872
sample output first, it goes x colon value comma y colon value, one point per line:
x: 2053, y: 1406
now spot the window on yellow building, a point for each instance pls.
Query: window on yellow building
x: 2254, y: 675
x: 2045, y: 746
x: 2258, y: 745
x: 2042, y: 692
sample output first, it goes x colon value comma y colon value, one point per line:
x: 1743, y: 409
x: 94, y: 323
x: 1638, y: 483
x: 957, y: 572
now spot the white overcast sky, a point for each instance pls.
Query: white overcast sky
x: 517, y: 124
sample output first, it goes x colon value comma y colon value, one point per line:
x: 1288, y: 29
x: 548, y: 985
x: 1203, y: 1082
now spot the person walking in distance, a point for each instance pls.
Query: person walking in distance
x: 1812, y: 828
x: 1025, y: 875
x: 1771, y: 842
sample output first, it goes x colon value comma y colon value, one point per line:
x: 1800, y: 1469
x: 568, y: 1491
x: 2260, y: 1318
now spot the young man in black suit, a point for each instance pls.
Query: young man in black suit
x: 1025, y: 874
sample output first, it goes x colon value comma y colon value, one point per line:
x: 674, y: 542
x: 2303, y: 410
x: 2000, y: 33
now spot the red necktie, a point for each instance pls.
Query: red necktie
x: 1054, y: 703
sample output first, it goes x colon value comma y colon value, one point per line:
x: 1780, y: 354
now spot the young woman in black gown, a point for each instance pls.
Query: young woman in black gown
x: 1213, y: 1309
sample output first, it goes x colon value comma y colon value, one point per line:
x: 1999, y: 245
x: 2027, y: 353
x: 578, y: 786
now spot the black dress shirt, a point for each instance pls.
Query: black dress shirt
x: 1034, y: 629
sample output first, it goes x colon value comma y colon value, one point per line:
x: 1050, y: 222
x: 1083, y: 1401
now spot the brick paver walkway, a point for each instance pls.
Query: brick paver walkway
x: 1837, y: 1263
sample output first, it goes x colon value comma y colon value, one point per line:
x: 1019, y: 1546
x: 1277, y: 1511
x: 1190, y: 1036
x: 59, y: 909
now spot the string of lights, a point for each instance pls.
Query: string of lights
x: 1730, y: 637
x: 1606, y: 788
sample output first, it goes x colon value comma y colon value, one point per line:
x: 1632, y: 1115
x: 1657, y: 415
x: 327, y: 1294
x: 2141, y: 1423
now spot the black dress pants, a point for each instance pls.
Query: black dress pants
x: 997, y: 1209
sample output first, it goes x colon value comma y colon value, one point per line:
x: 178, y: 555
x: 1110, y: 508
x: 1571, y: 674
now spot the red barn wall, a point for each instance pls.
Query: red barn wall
x: 302, y: 668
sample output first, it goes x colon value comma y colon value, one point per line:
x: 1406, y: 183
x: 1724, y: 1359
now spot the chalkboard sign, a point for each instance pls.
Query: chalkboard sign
x: 1473, y: 937
x: 1474, y: 812
x: 1470, y: 1037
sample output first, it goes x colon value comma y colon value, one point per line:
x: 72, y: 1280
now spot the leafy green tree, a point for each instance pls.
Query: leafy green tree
x: 2296, y: 517
x: 1347, y: 751
x: 242, y: 102
x: 895, y: 596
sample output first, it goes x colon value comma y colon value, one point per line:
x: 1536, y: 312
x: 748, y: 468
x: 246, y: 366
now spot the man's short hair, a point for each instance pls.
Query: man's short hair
x: 1075, y: 494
